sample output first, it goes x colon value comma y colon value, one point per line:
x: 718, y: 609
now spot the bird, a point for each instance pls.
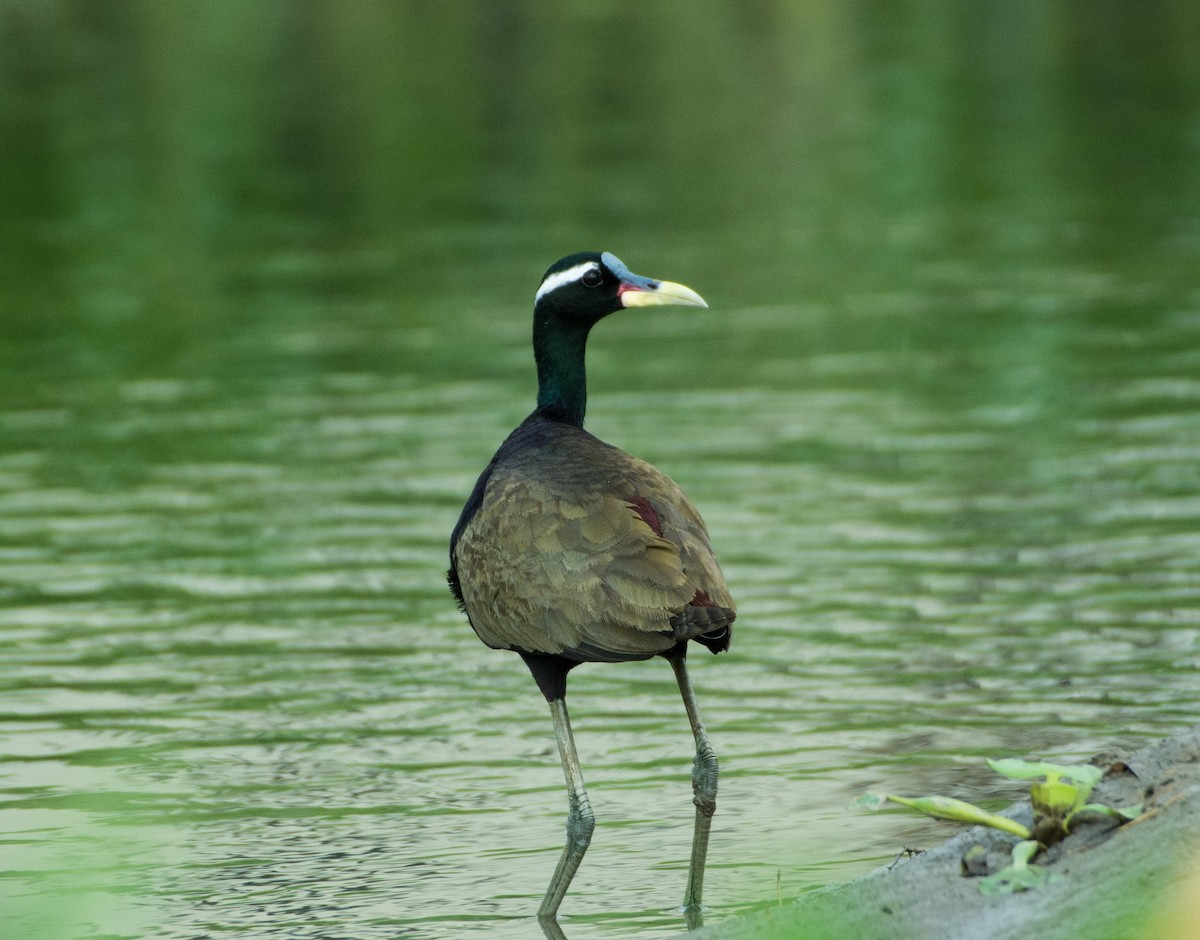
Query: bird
x: 571, y: 551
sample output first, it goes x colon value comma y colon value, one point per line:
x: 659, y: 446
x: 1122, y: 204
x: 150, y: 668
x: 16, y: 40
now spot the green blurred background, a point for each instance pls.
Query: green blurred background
x: 265, y: 282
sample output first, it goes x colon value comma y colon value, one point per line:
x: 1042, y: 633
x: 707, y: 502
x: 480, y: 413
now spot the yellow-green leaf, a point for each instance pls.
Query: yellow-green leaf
x: 1054, y: 799
x: 945, y: 807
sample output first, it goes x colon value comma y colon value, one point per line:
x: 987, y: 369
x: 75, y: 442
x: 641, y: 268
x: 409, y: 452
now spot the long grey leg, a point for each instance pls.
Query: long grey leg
x: 580, y: 820
x: 704, y: 790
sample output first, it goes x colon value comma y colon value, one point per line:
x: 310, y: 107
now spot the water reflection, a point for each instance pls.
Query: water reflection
x: 551, y: 929
x: 264, y: 310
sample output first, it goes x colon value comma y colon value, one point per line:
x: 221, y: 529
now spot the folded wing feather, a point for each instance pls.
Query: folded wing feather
x: 568, y: 563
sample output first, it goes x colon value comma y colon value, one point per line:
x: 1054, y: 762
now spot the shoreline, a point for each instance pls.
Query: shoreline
x: 1138, y: 879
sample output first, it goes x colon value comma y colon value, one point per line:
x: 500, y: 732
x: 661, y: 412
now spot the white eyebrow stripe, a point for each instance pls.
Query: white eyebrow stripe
x: 559, y: 278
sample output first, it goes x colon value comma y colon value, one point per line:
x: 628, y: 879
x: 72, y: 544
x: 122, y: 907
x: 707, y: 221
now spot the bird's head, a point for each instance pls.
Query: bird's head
x: 588, y: 286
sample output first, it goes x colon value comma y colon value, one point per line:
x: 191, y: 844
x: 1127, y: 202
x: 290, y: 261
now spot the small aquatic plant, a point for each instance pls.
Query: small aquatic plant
x: 1058, y: 794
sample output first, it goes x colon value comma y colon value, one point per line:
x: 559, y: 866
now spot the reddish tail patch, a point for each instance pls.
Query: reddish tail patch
x: 702, y: 600
x: 642, y: 507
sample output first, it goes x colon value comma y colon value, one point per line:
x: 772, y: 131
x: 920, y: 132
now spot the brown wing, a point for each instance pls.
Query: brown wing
x: 590, y: 552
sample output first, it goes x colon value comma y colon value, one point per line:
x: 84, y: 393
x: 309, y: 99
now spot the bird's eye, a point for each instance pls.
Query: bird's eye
x: 591, y: 278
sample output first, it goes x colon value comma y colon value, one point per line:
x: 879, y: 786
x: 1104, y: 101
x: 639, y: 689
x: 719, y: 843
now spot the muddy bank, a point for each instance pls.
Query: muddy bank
x: 1137, y: 880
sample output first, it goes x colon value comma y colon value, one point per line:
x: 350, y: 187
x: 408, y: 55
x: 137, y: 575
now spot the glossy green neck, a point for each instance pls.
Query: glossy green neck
x: 558, y: 347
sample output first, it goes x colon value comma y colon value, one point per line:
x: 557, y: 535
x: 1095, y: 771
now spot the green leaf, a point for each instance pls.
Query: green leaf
x: 945, y: 807
x: 1020, y: 875
x: 1125, y: 813
x: 870, y: 801
x: 1084, y: 775
x: 1012, y: 879
x: 1022, y: 852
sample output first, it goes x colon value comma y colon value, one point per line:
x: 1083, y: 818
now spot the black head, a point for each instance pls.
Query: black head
x: 575, y: 293
x: 588, y: 286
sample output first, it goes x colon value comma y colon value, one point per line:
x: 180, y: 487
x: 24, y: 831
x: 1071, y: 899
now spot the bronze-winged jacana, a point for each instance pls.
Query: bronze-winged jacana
x: 571, y: 551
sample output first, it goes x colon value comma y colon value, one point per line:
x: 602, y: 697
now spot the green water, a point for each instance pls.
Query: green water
x: 266, y: 274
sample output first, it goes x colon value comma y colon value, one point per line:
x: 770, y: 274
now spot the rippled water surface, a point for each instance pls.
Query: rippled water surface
x: 264, y: 315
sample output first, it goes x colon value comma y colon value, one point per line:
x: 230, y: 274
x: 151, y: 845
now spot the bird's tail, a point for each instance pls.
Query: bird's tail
x: 709, y: 625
